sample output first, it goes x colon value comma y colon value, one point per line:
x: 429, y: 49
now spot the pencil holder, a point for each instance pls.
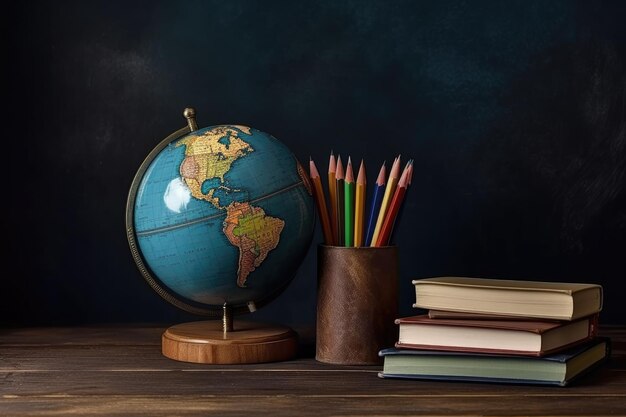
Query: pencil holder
x: 357, y: 303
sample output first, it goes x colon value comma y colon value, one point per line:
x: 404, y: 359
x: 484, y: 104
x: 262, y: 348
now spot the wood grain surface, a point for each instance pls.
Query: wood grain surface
x: 121, y: 371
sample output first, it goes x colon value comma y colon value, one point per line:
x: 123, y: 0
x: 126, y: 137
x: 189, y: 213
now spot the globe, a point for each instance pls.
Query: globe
x: 220, y: 216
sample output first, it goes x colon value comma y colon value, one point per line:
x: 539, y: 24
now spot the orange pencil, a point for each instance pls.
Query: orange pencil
x: 359, y: 206
x: 332, y: 196
x: 318, y: 194
x: 394, y: 207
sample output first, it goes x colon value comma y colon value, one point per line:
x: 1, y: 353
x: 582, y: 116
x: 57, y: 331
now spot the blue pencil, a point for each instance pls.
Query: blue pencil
x: 379, y: 192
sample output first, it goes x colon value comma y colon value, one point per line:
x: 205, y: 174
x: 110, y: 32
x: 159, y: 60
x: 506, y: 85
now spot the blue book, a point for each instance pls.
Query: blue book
x: 559, y: 369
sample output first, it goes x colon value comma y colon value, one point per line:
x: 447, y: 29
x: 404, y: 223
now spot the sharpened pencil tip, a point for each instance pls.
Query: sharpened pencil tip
x: 349, y: 173
x: 313, y: 169
x: 339, y: 174
x: 360, y: 178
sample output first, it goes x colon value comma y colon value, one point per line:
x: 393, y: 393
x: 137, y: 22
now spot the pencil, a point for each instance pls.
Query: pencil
x: 410, y: 173
x: 332, y: 195
x: 394, y: 207
x: 377, y: 198
x: 318, y: 194
x: 359, y: 206
x: 384, y: 206
x: 403, y: 205
x: 339, y: 202
x: 349, y: 205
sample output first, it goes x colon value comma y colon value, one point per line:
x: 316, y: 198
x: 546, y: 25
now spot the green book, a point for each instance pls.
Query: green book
x: 557, y: 369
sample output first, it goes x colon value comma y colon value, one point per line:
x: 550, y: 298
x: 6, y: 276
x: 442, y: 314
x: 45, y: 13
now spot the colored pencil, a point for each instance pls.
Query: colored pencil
x: 332, y: 194
x: 394, y: 207
x: 318, y: 194
x: 403, y: 205
x: 340, y: 204
x: 349, y: 205
x: 377, y: 198
x: 384, y: 206
x: 359, y: 205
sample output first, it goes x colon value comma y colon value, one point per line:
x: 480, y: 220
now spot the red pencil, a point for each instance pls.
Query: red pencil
x: 394, y: 207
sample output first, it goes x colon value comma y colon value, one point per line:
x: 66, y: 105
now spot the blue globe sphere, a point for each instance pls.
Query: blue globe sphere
x: 221, y: 215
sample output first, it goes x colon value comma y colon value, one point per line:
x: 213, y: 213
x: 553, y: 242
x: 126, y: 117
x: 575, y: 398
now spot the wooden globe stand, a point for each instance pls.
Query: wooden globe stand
x: 217, y: 342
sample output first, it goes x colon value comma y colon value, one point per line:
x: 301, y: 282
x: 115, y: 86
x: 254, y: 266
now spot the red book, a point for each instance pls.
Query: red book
x: 529, y: 338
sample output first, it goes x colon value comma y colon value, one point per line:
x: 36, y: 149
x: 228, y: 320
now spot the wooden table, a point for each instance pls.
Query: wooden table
x: 120, y: 371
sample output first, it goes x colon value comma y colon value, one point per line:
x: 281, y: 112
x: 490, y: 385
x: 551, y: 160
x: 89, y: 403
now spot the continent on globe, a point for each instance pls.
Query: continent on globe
x: 254, y: 233
x: 209, y: 156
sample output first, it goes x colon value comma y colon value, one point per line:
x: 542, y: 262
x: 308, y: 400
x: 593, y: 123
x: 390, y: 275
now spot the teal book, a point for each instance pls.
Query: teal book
x: 559, y: 369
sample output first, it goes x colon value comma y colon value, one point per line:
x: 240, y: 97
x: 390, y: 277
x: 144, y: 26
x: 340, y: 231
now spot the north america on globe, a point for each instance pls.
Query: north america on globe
x: 208, y: 158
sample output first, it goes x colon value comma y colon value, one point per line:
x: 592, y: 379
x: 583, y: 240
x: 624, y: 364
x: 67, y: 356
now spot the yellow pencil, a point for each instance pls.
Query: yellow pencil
x: 394, y: 176
x: 359, y: 206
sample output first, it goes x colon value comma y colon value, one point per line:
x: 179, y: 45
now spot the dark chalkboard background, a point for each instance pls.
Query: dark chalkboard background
x: 515, y: 114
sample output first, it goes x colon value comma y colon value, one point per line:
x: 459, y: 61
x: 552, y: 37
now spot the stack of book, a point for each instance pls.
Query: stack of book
x: 499, y: 331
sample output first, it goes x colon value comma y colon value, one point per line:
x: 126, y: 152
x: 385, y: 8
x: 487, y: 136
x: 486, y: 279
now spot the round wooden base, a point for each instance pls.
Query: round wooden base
x: 206, y: 342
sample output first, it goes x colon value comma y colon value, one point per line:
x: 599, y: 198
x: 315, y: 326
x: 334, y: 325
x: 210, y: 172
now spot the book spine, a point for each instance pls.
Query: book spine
x: 593, y: 325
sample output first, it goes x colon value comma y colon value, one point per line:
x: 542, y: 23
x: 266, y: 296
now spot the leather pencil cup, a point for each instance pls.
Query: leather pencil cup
x: 357, y: 303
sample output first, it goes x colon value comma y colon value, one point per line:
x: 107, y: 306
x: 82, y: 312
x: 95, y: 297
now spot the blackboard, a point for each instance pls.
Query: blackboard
x: 514, y: 112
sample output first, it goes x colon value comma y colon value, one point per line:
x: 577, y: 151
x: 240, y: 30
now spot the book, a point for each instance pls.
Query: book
x: 558, y: 369
x: 533, y: 338
x: 531, y: 299
x: 461, y: 315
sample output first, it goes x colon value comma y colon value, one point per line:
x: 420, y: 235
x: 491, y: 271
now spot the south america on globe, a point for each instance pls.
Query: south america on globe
x: 220, y: 216
x: 210, y: 155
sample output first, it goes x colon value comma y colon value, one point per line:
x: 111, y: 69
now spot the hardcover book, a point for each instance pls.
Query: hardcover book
x: 461, y: 315
x: 533, y: 338
x: 559, y: 369
x: 531, y: 299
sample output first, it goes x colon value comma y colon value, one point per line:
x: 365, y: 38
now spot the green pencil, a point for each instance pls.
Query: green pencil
x: 349, y: 205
